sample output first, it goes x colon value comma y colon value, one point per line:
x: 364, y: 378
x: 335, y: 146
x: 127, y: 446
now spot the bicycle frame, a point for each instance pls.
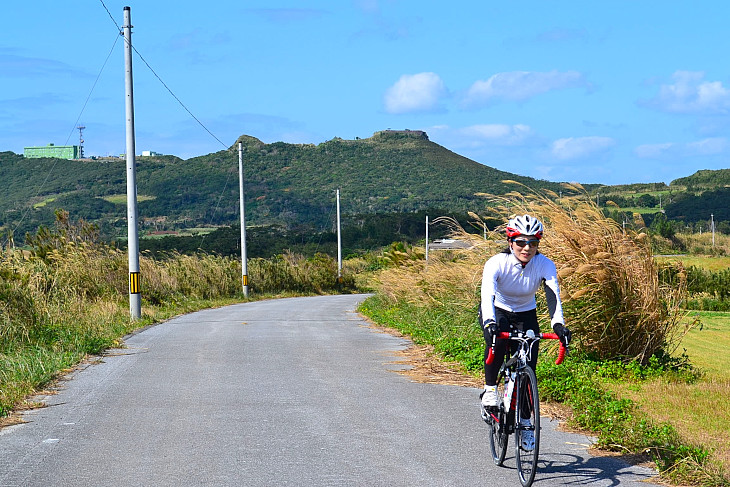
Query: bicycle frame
x: 521, y: 402
x: 519, y: 359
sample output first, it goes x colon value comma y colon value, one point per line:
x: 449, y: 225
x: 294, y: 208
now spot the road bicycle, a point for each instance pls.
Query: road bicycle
x: 517, y: 387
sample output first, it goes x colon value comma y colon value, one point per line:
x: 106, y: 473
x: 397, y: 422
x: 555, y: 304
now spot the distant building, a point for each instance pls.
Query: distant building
x: 449, y: 244
x: 419, y: 134
x: 150, y: 153
x: 50, y: 150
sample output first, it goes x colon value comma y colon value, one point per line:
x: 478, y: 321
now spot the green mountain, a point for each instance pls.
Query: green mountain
x: 285, y: 184
x: 704, y: 179
x: 293, y: 187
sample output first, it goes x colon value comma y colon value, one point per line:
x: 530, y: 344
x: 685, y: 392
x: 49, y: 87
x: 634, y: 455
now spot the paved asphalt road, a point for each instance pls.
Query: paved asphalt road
x: 285, y: 392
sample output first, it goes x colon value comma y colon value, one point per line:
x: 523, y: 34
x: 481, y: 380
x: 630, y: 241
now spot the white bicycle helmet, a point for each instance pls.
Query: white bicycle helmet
x: 526, y: 225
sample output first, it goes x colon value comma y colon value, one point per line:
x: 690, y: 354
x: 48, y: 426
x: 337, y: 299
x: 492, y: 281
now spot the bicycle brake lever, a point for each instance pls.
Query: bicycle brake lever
x: 490, y: 355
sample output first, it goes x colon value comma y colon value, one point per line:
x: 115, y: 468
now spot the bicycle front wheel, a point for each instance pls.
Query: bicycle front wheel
x: 527, y: 426
x: 498, y: 436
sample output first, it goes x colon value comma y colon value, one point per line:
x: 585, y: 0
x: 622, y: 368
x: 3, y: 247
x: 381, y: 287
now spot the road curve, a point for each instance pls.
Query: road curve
x: 295, y: 391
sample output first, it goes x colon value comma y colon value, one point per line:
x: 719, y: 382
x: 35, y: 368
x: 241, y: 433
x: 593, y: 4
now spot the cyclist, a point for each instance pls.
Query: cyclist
x: 509, y: 283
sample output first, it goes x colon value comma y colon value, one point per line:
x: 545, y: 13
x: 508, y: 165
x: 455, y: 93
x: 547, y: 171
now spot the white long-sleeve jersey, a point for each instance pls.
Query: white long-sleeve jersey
x: 509, y: 285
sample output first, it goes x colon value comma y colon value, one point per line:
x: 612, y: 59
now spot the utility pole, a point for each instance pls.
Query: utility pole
x: 244, y: 260
x: 135, y: 298
x: 427, y: 239
x: 339, y: 241
x: 712, y: 224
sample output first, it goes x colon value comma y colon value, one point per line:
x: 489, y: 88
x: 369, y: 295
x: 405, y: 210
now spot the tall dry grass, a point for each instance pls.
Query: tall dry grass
x: 68, y: 297
x: 609, y: 280
x: 611, y: 294
x: 705, y: 244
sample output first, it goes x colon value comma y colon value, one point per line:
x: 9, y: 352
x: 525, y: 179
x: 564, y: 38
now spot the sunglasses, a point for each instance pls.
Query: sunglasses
x: 532, y: 242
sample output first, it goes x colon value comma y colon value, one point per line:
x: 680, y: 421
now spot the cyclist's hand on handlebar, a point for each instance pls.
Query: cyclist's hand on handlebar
x: 563, y: 333
x: 490, y: 330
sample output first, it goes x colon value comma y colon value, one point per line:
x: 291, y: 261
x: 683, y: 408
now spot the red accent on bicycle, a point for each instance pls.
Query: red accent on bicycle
x: 545, y: 336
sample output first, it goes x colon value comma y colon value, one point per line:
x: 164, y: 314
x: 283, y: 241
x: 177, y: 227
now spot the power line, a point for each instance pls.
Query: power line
x: 163, y: 83
x: 53, y: 167
x: 178, y: 99
x: 181, y: 104
x: 119, y: 29
x: 116, y: 39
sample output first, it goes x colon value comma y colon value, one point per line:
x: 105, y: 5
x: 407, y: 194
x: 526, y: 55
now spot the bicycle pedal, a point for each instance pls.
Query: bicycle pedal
x: 490, y: 414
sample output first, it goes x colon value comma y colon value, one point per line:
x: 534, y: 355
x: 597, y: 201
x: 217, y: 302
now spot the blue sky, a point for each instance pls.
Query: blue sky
x: 595, y: 92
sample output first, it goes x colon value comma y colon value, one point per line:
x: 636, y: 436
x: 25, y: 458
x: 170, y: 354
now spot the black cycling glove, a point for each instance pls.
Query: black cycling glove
x: 563, y: 333
x: 490, y: 330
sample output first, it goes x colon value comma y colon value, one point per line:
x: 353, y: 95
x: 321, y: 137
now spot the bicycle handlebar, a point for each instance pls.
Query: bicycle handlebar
x: 504, y: 335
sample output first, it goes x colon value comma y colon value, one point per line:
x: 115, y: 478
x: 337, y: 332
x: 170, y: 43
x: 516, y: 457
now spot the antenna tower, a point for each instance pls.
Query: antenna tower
x: 81, y: 141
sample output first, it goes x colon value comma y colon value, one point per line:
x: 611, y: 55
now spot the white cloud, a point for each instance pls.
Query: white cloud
x: 653, y: 151
x: 520, y: 85
x: 497, y: 134
x: 689, y: 93
x: 420, y: 92
x: 706, y: 147
x: 580, y: 147
x: 28, y: 67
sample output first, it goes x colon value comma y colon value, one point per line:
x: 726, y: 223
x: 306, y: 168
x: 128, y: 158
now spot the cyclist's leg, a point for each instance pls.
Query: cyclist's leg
x: 500, y: 349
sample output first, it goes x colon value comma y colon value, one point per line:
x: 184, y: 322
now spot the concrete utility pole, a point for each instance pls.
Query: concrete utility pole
x: 339, y: 241
x: 135, y: 298
x: 244, y: 260
x: 427, y: 238
x: 712, y: 224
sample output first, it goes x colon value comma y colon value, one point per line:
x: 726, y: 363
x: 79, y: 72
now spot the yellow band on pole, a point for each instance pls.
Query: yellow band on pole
x: 245, y: 280
x: 134, y: 284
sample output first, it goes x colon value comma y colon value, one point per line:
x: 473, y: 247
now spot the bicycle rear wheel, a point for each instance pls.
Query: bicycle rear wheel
x: 527, y: 437
x: 498, y: 436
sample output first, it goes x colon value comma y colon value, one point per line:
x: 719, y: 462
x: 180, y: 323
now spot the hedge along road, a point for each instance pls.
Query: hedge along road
x: 298, y: 391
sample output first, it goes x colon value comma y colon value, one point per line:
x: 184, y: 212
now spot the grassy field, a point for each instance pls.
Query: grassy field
x: 708, y: 263
x: 698, y: 411
x: 50, y: 199
x: 639, y: 209
x: 708, y: 346
x: 121, y: 199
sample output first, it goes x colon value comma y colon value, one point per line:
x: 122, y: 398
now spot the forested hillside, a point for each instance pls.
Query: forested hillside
x: 286, y: 184
x: 291, y: 187
x: 691, y: 203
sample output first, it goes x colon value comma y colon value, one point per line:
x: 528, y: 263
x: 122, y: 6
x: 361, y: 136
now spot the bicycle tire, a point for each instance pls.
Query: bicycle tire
x: 498, y: 435
x: 528, y: 404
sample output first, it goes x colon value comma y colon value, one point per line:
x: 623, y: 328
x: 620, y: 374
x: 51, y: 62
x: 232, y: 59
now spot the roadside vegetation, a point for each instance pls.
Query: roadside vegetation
x: 67, y: 298
x: 647, y: 373
x: 638, y: 377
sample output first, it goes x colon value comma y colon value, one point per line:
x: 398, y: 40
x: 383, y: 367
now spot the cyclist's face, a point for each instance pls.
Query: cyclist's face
x: 524, y: 248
